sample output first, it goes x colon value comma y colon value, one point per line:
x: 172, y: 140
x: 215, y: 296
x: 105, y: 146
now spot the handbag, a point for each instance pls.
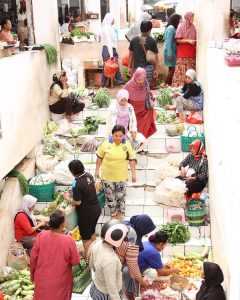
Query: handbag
x: 149, y: 100
x: 150, y: 55
x: 82, y: 277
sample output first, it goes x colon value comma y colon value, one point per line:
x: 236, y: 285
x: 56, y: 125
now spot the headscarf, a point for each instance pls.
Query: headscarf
x: 28, y: 202
x: 137, y: 92
x: 211, y: 288
x: 135, y: 30
x: 198, y: 146
x: 107, y: 25
x: 144, y: 17
x: 143, y: 225
x: 186, y: 30
x: 122, y: 111
x: 191, y: 73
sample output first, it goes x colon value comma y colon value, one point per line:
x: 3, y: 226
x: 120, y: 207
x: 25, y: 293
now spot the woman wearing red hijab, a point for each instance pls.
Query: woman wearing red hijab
x: 139, y: 92
x: 194, y: 168
x: 186, y: 48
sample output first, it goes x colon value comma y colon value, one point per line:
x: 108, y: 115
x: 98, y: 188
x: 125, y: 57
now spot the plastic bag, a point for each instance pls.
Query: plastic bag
x: 62, y: 175
x: 90, y: 145
x: 8, y: 273
x: 194, y: 118
x: 171, y: 192
x: 64, y: 127
x: 165, y: 170
x: 67, y: 65
x: 17, y: 257
x: 46, y: 163
x: 42, y: 179
x: 110, y: 67
x: 125, y: 60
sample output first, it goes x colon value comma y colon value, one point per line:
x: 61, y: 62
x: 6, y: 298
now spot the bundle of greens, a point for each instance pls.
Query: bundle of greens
x: 165, y: 118
x: 177, y: 233
x: 78, y: 91
x: 158, y: 37
x: 51, y: 54
x: 102, y: 98
x: 90, y: 126
x: 164, y: 97
x: 50, y: 128
x: 22, y: 181
x: 81, y: 34
x: 50, y: 147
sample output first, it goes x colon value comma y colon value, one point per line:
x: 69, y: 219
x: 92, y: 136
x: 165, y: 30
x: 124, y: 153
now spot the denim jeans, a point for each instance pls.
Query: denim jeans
x: 105, y: 56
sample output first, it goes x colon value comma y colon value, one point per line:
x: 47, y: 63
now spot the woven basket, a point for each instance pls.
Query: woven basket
x: 43, y: 192
x: 196, y: 217
x: 187, y: 140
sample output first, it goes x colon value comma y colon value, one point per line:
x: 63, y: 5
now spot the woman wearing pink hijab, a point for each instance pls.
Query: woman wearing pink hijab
x: 186, y: 48
x: 139, y: 92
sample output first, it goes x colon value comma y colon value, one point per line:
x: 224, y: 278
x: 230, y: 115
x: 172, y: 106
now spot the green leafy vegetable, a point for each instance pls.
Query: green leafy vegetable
x: 80, y: 33
x: 177, y: 233
x: 22, y: 181
x: 158, y: 37
x: 51, y: 54
x: 166, y: 118
x: 102, y: 98
x: 164, y: 97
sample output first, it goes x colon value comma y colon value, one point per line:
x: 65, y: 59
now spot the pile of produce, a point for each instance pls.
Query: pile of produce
x: 16, y: 284
x: 177, y: 233
x: 102, y: 98
x: 158, y: 37
x: 166, y: 118
x: 165, y: 97
x: 174, y: 129
x: 51, y: 54
x: 79, y: 92
x: 76, y: 234
x: 81, y: 34
x: 90, y: 126
x: 50, y: 128
x: 167, y: 294
x: 22, y: 181
x: 50, y: 147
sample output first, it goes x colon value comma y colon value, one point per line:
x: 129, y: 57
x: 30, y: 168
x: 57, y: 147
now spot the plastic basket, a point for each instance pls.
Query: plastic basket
x: 43, y: 192
x: 195, y: 217
x: 101, y: 198
x: 187, y: 140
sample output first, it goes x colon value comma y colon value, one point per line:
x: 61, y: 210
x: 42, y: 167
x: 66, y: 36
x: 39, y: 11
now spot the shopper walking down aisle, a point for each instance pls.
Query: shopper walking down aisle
x: 52, y: 258
x: 170, y: 47
x: 109, y: 46
x: 139, y: 48
x: 194, y: 169
x: 86, y: 202
x: 135, y: 30
x: 113, y: 155
x: 122, y: 113
x: 186, y: 48
x: 211, y: 288
x: 107, y: 280
x: 190, y: 97
x: 139, y: 96
x: 25, y: 223
x: 59, y: 100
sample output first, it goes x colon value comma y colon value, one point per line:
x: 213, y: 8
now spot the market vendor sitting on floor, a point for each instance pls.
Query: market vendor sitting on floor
x: 149, y: 259
x: 59, y: 100
x: 26, y: 227
x: 194, y: 169
x: 190, y: 96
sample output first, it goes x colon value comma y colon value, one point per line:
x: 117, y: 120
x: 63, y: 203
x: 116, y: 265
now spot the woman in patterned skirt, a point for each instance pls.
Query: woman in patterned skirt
x: 186, y: 48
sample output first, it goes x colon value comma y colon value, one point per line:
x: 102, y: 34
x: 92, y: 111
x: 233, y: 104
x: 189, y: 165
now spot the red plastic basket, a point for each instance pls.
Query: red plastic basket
x: 232, y: 60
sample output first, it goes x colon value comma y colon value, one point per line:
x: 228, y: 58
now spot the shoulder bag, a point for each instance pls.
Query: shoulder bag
x: 150, y: 55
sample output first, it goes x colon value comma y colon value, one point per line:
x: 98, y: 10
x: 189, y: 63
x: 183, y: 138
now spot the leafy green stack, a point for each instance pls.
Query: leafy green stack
x: 81, y: 34
x: 102, y: 98
x: 90, y: 126
x: 164, y: 97
x: 158, y: 37
x: 18, y: 286
x: 51, y: 54
x: 166, y: 118
x: 177, y: 233
x: 22, y: 180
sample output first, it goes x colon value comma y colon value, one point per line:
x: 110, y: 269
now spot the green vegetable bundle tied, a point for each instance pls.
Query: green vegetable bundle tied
x: 22, y: 180
x: 165, y: 97
x: 177, y: 233
x: 102, y: 98
x: 51, y: 54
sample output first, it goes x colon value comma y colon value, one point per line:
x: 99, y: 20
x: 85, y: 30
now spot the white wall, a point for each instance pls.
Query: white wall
x: 236, y: 5
x: 222, y: 124
x: 25, y: 81
x: 94, y: 7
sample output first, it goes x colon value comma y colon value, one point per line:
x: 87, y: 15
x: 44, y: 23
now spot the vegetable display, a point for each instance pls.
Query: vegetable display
x: 188, y: 268
x: 51, y: 54
x: 50, y: 147
x: 177, y: 233
x: 166, y: 118
x: 81, y: 34
x: 102, y: 98
x: 21, y: 287
x: 165, y: 97
x: 90, y: 126
x: 90, y: 145
x: 50, y: 128
x: 158, y: 37
x: 22, y: 180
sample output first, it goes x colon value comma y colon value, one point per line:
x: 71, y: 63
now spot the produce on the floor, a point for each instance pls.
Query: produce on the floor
x: 166, y: 118
x: 76, y: 234
x: 158, y: 37
x: 18, y: 286
x: 165, y: 97
x: 22, y: 181
x: 50, y: 147
x: 90, y: 126
x: 50, y: 128
x: 51, y: 55
x: 177, y: 233
x: 90, y: 145
x: 188, y: 268
x: 81, y: 33
x: 102, y: 98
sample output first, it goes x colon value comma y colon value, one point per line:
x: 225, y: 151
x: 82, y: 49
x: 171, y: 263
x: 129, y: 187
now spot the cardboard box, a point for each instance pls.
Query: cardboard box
x: 91, y: 63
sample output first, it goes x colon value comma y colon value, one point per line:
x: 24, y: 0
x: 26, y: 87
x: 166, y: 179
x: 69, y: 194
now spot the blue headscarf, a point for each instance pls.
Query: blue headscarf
x: 143, y: 225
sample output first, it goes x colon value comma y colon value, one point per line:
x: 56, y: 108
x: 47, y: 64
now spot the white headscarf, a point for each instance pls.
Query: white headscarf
x: 28, y: 202
x: 192, y: 74
x: 135, y: 30
x: 107, y: 25
x: 145, y: 17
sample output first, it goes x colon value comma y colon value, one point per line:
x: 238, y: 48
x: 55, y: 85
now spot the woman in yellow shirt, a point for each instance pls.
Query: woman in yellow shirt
x: 113, y: 155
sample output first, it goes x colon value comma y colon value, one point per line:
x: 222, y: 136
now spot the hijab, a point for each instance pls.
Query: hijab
x: 135, y: 30
x: 192, y: 74
x: 143, y: 225
x: 144, y: 17
x: 122, y: 111
x: 186, y: 30
x: 198, y: 146
x: 28, y: 202
x: 137, y: 92
x: 211, y: 288
x: 107, y: 25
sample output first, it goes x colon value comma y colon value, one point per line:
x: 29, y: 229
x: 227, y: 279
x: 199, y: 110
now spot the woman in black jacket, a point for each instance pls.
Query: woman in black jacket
x: 211, y: 288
